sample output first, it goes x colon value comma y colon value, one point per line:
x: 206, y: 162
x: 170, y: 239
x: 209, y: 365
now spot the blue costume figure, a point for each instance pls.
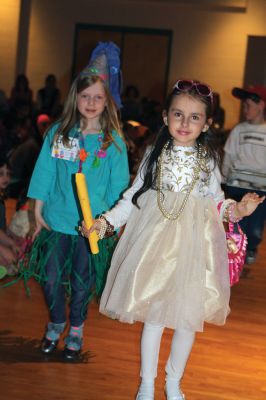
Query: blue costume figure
x: 61, y: 259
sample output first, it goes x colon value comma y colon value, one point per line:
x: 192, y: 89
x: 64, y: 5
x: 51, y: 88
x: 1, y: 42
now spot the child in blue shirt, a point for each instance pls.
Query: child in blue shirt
x: 61, y: 257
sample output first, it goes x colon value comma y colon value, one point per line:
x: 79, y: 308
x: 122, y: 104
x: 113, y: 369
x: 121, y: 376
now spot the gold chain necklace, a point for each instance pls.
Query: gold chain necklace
x: 201, y: 164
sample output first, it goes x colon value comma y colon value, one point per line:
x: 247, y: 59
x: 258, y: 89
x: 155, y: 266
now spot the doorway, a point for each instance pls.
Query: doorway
x: 255, y: 68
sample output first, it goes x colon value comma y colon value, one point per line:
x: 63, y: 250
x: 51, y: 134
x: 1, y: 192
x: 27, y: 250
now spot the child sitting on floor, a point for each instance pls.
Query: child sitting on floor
x: 11, y: 245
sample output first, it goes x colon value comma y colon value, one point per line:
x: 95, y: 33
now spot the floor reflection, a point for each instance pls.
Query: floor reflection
x: 18, y: 349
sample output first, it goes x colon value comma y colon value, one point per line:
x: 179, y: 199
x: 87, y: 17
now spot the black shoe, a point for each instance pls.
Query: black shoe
x: 48, y: 346
x: 71, y: 355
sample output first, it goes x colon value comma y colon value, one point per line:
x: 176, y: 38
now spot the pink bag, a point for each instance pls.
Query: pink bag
x: 236, y: 247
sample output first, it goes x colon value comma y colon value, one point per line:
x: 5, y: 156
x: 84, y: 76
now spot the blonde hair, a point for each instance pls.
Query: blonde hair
x: 109, y: 118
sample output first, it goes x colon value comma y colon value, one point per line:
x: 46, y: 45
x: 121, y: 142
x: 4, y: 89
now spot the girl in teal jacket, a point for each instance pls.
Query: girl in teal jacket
x: 61, y: 259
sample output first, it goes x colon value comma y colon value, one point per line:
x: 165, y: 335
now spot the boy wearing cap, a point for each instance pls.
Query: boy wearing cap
x: 244, y: 164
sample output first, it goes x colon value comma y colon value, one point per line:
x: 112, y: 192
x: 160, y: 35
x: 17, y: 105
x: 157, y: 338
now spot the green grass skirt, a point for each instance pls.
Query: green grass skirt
x: 33, y: 264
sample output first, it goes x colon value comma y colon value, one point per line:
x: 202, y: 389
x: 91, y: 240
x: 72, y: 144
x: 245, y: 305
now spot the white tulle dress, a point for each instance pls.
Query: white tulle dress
x: 171, y: 273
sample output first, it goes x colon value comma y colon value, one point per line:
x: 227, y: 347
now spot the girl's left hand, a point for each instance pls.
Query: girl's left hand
x: 248, y: 204
x: 96, y: 226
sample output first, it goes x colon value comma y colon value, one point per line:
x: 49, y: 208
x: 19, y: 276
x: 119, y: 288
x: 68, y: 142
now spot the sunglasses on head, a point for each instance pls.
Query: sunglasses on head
x: 202, y: 89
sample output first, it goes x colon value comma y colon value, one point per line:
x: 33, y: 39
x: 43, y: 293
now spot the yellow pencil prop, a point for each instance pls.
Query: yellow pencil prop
x: 86, y: 210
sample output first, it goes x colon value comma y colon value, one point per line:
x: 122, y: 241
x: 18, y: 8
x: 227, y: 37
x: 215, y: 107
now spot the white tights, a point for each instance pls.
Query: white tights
x: 181, y: 346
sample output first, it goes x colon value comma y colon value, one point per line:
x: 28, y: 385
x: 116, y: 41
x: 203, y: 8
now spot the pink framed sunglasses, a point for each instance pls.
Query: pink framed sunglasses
x: 202, y: 89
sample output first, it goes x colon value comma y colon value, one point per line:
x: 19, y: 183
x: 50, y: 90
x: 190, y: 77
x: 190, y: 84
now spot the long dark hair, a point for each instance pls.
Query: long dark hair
x: 207, y: 139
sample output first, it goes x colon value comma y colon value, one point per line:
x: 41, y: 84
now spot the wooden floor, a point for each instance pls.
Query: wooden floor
x: 227, y: 363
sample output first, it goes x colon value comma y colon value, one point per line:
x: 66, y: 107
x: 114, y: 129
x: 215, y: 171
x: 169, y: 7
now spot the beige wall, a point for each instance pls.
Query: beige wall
x: 207, y: 44
x: 9, y: 17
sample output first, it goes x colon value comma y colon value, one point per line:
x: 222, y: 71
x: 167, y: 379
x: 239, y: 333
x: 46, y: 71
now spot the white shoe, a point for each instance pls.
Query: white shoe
x: 178, y: 395
x: 145, y: 393
x: 143, y: 396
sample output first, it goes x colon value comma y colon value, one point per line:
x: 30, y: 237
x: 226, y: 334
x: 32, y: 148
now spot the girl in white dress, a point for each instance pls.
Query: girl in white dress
x: 170, y: 267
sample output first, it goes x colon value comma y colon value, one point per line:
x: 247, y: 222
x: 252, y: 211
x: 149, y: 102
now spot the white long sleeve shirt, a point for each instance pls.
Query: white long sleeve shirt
x: 177, y: 176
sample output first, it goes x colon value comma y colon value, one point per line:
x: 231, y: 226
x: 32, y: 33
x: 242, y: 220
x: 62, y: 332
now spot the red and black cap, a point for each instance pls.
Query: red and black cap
x: 255, y: 93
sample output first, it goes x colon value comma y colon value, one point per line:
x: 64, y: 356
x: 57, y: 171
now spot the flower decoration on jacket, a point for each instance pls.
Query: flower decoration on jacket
x: 83, y: 154
x: 101, y: 153
x: 98, y: 155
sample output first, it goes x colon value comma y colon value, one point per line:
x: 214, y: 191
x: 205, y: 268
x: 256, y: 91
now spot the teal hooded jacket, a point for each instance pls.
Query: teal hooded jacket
x: 53, y: 180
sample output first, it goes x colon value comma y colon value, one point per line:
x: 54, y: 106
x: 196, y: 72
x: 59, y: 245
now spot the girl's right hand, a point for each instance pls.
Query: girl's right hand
x: 96, y: 226
x: 39, y: 221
